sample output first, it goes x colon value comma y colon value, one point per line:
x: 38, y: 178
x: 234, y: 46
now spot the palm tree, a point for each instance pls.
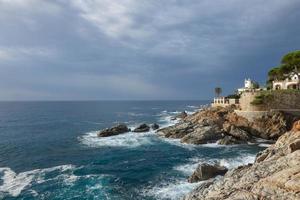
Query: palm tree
x: 218, y: 91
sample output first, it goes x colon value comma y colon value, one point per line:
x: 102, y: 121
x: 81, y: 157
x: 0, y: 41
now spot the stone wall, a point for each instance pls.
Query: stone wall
x: 278, y: 100
x: 246, y: 99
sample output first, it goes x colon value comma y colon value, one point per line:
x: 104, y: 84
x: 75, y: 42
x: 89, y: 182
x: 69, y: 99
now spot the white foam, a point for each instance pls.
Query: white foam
x: 14, y: 183
x: 171, y: 190
x: 129, y: 139
x: 188, y: 168
x: 238, y: 161
x: 264, y: 145
x: 192, y: 106
x: 177, y: 142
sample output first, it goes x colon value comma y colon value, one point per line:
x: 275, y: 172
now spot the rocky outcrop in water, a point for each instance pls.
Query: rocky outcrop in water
x: 182, y: 115
x: 155, y: 126
x: 116, y: 130
x: 206, y: 171
x: 224, y: 126
x: 141, y: 128
x: 274, y: 175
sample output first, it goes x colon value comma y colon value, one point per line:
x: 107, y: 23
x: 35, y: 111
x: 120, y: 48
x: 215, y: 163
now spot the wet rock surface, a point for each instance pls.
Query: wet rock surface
x: 274, y: 175
x: 155, y: 126
x: 226, y: 127
x: 206, y: 171
x: 142, y: 128
x: 116, y: 130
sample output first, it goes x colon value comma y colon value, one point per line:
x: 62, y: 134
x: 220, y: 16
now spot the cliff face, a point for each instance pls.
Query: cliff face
x: 226, y: 127
x: 274, y: 175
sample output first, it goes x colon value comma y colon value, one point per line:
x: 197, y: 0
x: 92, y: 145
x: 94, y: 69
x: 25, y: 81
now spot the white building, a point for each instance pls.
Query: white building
x: 223, y: 102
x: 292, y: 82
x: 249, y: 85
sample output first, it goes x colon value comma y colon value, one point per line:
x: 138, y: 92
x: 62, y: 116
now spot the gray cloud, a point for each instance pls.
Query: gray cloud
x: 136, y: 49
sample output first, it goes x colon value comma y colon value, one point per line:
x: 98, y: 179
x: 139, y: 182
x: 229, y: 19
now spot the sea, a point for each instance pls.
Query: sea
x: 50, y: 150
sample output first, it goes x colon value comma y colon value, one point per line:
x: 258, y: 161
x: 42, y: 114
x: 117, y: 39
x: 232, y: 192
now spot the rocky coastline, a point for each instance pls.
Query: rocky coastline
x: 276, y: 171
x: 275, y: 174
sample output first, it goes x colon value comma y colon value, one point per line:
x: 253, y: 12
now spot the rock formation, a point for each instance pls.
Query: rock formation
x: 226, y: 127
x: 182, y: 115
x: 155, y: 126
x: 206, y: 171
x: 116, y: 130
x: 274, y: 175
x: 142, y: 128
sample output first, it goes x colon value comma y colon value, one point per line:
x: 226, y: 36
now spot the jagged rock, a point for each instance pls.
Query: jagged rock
x: 218, y: 120
x: 296, y: 126
x: 270, y: 126
x: 177, y: 131
x: 155, y: 126
x: 182, y: 115
x: 294, y: 146
x: 116, y: 130
x: 274, y: 175
x: 239, y: 133
x: 142, y: 128
x: 203, y: 135
x: 206, y: 171
x: 229, y: 140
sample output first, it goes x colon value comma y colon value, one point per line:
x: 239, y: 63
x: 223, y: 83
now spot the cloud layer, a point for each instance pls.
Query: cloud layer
x: 137, y: 49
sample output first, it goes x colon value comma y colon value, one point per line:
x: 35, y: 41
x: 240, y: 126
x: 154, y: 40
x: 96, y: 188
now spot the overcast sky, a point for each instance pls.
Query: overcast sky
x: 138, y: 49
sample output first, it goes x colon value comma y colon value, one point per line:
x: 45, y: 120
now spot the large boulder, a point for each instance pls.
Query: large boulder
x: 142, y: 128
x: 203, y: 135
x: 116, y: 130
x: 239, y: 133
x: 271, y: 126
x: 206, y: 171
x: 274, y: 175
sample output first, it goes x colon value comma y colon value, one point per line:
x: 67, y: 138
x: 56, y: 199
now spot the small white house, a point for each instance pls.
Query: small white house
x: 249, y: 85
x: 292, y: 82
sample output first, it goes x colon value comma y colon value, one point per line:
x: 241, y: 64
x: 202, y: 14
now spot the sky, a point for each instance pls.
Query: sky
x: 138, y: 49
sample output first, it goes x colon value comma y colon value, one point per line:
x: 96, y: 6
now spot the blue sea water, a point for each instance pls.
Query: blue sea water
x: 49, y: 150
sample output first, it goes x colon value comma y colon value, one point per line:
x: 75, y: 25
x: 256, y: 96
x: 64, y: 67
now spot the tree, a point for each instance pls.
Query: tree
x: 290, y: 65
x: 218, y: 91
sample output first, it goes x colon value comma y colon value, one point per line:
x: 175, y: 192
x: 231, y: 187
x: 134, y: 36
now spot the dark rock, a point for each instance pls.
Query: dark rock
x: 229, y: 140
x: 142, y: 128
x: 155, y: 126
x: 206, y: 171
x: 116, y: 130
x: 182, y: 115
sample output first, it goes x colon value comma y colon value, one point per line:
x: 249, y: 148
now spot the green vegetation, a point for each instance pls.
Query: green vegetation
x: 290, y: 64
x: 233, y: 96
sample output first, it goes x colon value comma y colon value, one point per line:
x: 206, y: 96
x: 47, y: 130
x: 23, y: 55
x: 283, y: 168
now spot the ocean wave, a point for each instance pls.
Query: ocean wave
x: 264, y: 145
x: 170, y: 190
x: 243, y: 159
x: 13, y: 184
x: 177, y: 142
x: 129, y: 139
x: 188, y: 168
x: 192, y: 107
